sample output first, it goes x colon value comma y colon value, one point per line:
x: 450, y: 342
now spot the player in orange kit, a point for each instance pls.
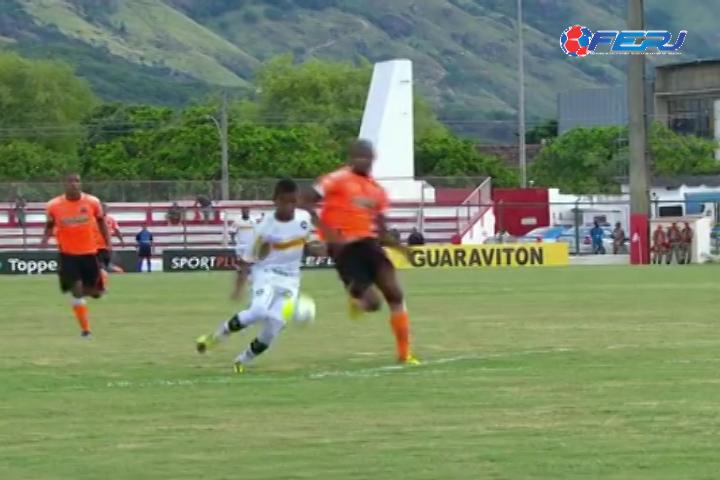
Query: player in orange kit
x: 75, y: 219
x: 104, y: 254
x: 353, y: 204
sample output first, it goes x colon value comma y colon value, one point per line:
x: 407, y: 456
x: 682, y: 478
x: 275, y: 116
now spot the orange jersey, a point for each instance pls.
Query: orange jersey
x: 112, y: 227
x: 75, y: 223
x: 351, y: 203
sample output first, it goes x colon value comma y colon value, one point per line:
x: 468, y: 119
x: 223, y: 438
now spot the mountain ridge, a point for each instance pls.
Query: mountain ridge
x: 464, y: 51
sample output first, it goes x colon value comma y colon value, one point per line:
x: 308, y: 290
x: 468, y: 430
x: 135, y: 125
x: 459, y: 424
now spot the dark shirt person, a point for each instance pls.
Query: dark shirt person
x: 19, y: 208
x: 174, y: 214
x: 144, y: 241
x: 205, y: 205
x: 597, y: 234
x: 415, y: 238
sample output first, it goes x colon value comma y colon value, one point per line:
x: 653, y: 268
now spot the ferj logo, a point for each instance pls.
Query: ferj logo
x: 579, y: 41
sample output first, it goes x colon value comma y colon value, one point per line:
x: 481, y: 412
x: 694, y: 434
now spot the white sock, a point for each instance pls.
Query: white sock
x: 245, y: 357
x: 222, y: 332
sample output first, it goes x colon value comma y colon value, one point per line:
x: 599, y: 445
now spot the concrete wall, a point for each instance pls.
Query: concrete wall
x: 686, y: 98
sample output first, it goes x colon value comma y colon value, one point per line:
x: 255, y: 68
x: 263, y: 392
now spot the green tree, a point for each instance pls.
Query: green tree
x: 582, y: 160
x: 449, y: 156
x: 591, y: 159
x: 24, y: 160
x: 41, y: 101
x: 319, y: 92
x: 158, y: 145
x: 544, y: 131
x: 674, y: 154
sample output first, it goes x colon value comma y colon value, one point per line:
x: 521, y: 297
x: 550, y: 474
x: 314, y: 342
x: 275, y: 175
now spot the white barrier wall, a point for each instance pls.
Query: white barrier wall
x: 481, y: 230
x: 702, y: 226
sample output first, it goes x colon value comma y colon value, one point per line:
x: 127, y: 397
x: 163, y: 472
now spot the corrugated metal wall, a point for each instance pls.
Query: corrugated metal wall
x: 596, y: 107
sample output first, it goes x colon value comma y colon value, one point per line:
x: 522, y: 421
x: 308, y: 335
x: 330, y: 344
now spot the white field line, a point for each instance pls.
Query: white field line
x: 377, y: 371
x: 359, y: 373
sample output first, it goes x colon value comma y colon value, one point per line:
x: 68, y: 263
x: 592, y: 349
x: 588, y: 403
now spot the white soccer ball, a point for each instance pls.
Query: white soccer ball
x: 301, y: 310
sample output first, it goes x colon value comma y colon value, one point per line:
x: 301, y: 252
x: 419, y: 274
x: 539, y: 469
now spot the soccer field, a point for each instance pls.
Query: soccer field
x: 549, y: 373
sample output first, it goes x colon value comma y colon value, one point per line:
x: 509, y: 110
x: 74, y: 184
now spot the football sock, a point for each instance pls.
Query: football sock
x: 81, y: 314
x: 255, y: 348
x: 400, y: 324
x: 234, y: 324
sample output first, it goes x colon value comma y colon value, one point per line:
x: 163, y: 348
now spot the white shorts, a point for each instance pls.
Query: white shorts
x: 241, y: 251
x: 272, y: 292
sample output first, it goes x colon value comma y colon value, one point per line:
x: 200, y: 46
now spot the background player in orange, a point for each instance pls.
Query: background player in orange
x: 75, y: 218
x: 354, y: 206
x: 104, y: 253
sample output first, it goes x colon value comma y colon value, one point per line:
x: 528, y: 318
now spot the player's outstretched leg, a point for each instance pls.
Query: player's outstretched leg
x: 272, y: 328
x: 236, y: 323
x: 388, y: 284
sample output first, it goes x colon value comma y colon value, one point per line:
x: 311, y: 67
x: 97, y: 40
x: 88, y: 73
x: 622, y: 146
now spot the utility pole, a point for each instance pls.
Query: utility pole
x: 522, y: 150
x: 637, y: 144
x: 224, y: 155
x: 222, y: 128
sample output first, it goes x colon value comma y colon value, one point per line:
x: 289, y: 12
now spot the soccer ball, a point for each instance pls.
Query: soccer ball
x: 575, y: 41
x: 300, y: 310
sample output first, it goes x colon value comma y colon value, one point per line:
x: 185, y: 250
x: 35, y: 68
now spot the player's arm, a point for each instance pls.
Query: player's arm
x: 313, y: 245
x: 316, y: 248
x: 310, y: 200
x: 118, y: 233
x: 384, y: 235
x: 259, y: 244
x: 49, y: 225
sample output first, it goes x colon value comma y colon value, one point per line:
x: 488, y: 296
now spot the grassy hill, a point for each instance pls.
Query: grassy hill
x: 464, y: 50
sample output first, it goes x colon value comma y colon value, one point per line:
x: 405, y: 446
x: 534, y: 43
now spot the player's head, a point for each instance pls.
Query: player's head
x: 285, y: 198
x: 245, y: 212
x: 361, y: 156
x: 73, y: 186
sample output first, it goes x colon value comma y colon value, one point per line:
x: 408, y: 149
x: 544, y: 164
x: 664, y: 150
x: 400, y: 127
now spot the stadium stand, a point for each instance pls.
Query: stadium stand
x: 438, y: 221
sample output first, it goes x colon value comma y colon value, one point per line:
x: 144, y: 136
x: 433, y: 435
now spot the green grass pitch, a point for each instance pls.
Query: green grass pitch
x: 548, y: 373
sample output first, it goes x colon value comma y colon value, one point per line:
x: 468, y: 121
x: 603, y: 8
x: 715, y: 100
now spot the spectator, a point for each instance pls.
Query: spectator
x: 659, y: 245
x: 144, y: 242
x: 174, y: 214
x: 19, y: 208
x: 687, y: 239
x: 456, y: 239
x: 674, y: 240
x: 204, y: 203
x: 415, y: 238
x: 395, y: 234
x: 597, y: 235
x: 619, y: 239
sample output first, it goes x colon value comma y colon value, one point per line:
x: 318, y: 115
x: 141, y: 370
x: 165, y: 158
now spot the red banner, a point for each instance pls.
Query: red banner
x: 639, y: 239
